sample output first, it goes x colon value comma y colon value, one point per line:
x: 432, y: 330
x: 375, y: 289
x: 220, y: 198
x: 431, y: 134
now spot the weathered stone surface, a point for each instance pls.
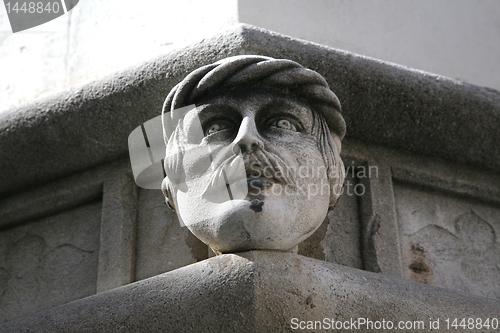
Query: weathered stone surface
x: 49, y: 262
x: 448, y: 241
x: 118, y: 232
x: 256, y: 292
x: 162, y: 244
x: 252, y: 158
x: 450, y: 127
x: 338, y: 239
x: 342, y: 241
x: 112, y: 188
x: 401, y: 108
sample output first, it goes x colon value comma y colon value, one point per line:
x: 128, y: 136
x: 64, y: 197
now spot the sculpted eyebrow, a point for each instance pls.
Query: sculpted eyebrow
x: 278, y: 107
x: 214, y: 110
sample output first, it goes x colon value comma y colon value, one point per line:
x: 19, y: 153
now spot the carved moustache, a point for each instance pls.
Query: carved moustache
x: 239, y: 174
x: 268, y: 166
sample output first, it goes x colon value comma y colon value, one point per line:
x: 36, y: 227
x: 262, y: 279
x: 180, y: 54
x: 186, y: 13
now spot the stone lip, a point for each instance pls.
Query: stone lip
x: 382, y: 103
x: 256, y: 291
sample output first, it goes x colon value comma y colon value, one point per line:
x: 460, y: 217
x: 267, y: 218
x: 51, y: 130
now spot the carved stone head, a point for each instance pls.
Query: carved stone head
x: 252, y: 157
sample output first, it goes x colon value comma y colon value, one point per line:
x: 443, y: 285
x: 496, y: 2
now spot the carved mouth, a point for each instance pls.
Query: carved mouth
x: 256, y: 187
x: 251, y: 189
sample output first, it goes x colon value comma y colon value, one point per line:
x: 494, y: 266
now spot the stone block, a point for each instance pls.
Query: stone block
x: 49, y: 262
x: 449, y: 241
x: 258, y: 291
x: 162, y: 244
x: 338, y: 239
x: 432, y: 201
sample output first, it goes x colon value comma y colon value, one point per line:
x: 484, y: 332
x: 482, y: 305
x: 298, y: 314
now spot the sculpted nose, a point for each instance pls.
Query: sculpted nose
x: 248, y: 138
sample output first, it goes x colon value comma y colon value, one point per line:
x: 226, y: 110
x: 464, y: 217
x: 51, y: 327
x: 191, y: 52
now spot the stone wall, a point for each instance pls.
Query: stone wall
x: 262, y: 291
x: 421, y: 198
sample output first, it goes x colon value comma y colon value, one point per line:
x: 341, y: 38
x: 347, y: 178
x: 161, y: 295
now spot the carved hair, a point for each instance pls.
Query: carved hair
x: 251, y: 70
x: 278, y: 74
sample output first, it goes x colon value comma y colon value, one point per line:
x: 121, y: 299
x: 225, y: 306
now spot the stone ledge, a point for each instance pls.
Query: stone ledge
x: 255, y: 291
x: 383, y: 103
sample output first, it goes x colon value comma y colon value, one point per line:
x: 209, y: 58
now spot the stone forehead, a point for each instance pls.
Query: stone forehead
x: 258, y: 71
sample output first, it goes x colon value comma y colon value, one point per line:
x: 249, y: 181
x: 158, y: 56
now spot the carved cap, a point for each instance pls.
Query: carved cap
x: 253, y: 70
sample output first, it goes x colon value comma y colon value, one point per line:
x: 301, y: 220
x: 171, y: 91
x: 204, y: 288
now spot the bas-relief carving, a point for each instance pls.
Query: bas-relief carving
x: 49, y: 262
x: 255, y: 163
x: 448, y: 241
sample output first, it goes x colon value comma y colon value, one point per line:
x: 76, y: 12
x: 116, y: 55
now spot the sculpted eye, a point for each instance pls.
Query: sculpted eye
x: 284, y: 124
x: 217, y: 126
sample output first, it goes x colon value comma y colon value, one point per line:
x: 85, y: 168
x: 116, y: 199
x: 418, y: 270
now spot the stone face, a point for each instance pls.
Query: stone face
x: 433, y: 140
x: 448, y: 241
x: 255, y: 165
x: 257, y: 291
x: 49, y: 262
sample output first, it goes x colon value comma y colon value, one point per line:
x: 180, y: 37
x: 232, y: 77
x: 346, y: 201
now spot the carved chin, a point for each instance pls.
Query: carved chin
x: 259, y: 223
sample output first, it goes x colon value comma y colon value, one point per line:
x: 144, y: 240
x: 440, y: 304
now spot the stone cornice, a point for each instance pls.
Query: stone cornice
x: 257, y: 291
x: 383, y: 103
